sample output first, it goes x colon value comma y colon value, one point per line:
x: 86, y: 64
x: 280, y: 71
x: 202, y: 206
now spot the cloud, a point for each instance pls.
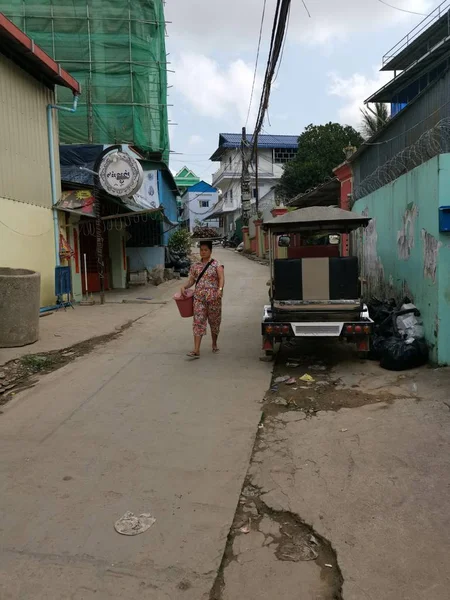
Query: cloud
x: 206, y: 25
x: 216, y: 91
x: 194, y: 140
x: 353, y: 91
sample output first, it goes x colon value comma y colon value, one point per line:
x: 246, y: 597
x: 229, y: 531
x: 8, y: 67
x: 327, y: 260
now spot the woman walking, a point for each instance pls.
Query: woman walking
x: 208, y: 277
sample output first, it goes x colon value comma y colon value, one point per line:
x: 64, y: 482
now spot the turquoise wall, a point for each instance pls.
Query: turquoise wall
x: 403, y: 252
x: 444, y: 265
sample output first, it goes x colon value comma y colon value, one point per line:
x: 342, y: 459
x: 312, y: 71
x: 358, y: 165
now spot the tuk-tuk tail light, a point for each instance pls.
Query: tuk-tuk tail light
x: 278, y: 329
x: 358, y: 329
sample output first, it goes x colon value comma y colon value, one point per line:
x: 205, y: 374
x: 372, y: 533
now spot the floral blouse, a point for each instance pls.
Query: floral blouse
x: 208, y: 285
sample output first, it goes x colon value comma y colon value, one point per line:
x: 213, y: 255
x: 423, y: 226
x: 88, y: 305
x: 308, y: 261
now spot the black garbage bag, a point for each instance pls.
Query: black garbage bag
x: 379, y: 310
x: 377, y: 344
x: 399, y: 354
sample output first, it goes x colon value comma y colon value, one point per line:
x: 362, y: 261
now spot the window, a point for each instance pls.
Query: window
x: 143, y: 235
x: 283, y: 155
x: 204, y: 203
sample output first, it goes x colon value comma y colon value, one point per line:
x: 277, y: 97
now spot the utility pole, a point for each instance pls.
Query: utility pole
x: 255, y: 141
x: 245, y: 180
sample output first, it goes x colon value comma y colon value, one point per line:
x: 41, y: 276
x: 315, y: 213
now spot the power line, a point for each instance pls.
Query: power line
x: 279, y: 31
x: 233, y: 180
x: 306, y: 8
x: 256, y: 62
x: 411, y: 12
x: 282, y: 49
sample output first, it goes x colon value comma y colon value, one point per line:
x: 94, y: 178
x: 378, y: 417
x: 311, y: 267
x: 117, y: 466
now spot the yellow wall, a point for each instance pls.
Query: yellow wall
x: 26, y: 242
x: 24, y: 157
x: 26, y: 222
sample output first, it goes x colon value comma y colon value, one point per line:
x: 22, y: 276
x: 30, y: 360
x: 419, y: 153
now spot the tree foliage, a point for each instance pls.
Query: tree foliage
x: 320, y: 150
x: 180, y: 241
x: 371, y: 123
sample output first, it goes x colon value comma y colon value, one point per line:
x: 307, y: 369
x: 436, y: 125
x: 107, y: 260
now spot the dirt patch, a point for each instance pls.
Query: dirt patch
x: 309, y: 385
x: 23, y: 373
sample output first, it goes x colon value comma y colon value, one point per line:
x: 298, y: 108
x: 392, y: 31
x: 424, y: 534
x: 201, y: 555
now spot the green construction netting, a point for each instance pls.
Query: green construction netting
x: 116, y: 50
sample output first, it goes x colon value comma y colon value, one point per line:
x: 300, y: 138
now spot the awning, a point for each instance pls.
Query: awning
x: 80, y: 202
x: 326, y: 194
x: 317, y: 218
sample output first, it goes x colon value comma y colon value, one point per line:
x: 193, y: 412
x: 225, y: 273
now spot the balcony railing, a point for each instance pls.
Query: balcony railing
x: 234, y: 171
x: 433, y: 17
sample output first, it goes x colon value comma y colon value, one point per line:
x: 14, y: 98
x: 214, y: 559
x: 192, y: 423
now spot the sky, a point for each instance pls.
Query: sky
x: 330, y: 65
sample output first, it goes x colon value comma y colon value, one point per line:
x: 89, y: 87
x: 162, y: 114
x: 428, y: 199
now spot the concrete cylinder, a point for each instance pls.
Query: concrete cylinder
x: 19, y: 307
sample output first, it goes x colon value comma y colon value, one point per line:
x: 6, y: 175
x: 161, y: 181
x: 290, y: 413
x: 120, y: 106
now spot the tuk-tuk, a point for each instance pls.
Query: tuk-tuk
x: 315, y: 291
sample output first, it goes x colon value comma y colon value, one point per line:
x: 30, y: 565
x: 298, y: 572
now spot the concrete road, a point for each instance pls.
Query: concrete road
x: 361, y: 456
x: 134, y: 427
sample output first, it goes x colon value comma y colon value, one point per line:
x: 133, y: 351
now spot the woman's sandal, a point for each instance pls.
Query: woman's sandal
x: 193, y: 355
x: 215, y: 350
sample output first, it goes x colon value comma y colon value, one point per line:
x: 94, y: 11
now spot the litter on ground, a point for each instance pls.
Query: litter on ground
x: 282, y: 379
x: 130, y: 524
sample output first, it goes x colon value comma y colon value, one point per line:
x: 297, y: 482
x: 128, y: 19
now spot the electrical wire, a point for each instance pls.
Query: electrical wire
x: 256, y: 62
x: 233, y: 180
x: 279, y: 31
x: 26, y: 234
x: 282, y: 50
x: 411, y: 12
x: 306, y: 8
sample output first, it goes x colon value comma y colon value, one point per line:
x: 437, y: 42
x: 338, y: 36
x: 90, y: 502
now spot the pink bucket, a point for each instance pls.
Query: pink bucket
x: 185, y: 303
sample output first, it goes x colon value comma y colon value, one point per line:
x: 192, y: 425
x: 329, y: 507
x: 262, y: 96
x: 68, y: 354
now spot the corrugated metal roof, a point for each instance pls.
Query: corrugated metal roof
x: 419, y: 41
x: 317, y: 216
x: 233, y: 140
x: 325, y: 194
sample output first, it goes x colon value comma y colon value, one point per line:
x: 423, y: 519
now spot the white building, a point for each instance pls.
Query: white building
x: 199, y: 200
x: 274, y: 151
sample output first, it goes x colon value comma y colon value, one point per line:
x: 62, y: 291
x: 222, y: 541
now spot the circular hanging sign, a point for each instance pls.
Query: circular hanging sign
x: 120, y: 174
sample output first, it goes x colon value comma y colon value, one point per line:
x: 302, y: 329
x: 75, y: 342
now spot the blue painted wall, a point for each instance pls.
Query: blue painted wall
x: 403, y: 252
x: 146, y: 258
x: 168, y: 199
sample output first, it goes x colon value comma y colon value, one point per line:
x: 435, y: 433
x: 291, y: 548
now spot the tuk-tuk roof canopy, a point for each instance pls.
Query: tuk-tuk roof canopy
x: 317, y: 218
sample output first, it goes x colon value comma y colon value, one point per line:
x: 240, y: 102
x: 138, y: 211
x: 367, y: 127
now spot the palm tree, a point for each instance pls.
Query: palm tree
x: 374, y: 120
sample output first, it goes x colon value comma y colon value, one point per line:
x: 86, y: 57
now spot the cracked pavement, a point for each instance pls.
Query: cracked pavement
x: 362, y: 458
x: 342, y: 491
